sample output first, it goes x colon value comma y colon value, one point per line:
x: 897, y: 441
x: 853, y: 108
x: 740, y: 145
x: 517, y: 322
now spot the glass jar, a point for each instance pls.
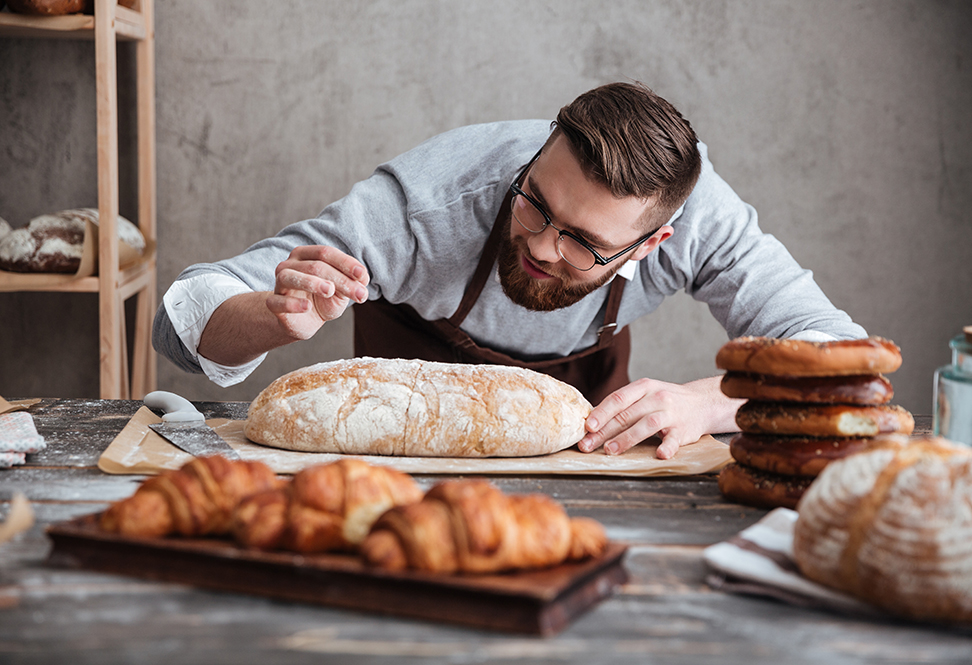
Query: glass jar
x: 953, y: 392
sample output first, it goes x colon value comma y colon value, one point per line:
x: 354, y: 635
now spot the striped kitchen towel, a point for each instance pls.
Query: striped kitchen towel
x: 759, y: 561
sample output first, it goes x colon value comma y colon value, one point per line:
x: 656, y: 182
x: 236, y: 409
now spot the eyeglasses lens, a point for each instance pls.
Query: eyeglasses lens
x: 529, y: 217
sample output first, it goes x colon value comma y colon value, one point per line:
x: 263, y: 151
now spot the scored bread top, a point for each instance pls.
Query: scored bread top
x: 892, y: 526
x: 375, y: 406
x: 792, y: 357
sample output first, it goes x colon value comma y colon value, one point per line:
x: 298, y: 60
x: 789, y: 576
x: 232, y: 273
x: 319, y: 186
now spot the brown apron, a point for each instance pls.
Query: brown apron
x: 385, y: 330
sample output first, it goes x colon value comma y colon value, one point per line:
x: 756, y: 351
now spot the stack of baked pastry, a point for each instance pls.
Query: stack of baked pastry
x: 808, y: 403
x: 351, y: 506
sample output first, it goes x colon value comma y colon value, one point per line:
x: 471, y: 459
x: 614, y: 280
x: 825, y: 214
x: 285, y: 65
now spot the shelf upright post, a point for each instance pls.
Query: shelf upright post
x: 112, y: 341
x: 143, y: 358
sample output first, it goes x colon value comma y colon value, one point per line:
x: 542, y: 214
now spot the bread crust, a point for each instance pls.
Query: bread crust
x: 793, y: 455
x: 851, y: 389
x: 791, y: 357
x: 47, y: 7
x: 761, y: 489
x: 377, y: 406
x: 822, y: 420
x: 54, y: 243
x: 892, y: 527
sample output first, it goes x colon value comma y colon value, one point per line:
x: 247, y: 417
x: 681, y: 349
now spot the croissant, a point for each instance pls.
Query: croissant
x: 325, y: 508
x: 471, y: 526
x: 194, y: 500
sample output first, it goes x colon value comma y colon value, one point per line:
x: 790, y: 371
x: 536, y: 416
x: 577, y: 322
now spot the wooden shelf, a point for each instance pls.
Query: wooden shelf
x: 129, y: 26
x: 114, y: 285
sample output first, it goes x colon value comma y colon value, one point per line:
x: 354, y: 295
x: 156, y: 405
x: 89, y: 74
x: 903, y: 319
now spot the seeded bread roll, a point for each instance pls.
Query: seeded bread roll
x: 855, y: 389
x: 793, y: 455
x: 893, y: 527
x: 790, y: 357
x: 761, y: 489
x: 839, y: 420
x: 376, y: 406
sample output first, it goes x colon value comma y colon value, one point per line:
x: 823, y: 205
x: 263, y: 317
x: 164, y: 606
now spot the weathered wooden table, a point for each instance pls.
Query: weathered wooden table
x: 665, y: 613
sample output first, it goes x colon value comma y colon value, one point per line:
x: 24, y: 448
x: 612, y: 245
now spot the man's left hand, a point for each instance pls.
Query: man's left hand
x: 679, y: 414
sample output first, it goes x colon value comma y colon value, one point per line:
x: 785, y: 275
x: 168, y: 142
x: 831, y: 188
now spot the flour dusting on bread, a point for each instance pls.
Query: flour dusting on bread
x: 372, y: 406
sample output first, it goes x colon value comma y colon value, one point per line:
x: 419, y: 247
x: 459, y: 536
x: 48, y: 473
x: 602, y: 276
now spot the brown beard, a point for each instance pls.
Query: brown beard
x: 534, y: 294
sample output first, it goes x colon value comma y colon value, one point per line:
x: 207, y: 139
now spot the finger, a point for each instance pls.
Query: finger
x: 340, y: 285
x: 612, y: 405
x: 289, y: 279
x: 278, y: 304
x: 343, y: 263
x: 669, y: 446
x: 609, y: 430
x: 629, y: 438
x: 589, y: 443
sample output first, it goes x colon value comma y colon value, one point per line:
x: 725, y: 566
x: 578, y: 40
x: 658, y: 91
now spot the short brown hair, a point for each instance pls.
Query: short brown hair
x: 635, y: 142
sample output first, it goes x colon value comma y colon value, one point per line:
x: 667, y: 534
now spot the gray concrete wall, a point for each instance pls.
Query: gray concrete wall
x: 846, y: 125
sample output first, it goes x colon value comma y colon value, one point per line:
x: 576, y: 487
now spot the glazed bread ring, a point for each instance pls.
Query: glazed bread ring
x: 760, y: 489
x: 793, y: 455
x: 823, y: 419
x: 790, y: 357
x: 855, y: 389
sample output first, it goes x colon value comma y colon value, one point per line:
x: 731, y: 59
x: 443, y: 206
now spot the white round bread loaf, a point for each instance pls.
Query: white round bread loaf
x: 376, y: 406
x: 893, y: 527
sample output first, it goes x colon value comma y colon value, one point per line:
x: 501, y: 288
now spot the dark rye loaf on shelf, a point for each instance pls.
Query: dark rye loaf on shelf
x: 57, y: 7
x: 54, y: 243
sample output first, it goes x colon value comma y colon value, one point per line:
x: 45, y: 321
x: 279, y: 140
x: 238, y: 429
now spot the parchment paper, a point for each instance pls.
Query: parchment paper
x: 18, y: 405
x: 139, y: 450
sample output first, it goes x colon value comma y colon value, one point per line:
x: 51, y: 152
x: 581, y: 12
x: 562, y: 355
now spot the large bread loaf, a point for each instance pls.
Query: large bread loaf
x: 893, y: 527
x: 370, y: 406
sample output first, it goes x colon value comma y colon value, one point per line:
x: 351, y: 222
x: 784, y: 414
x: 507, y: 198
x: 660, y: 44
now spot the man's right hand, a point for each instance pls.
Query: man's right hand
x: 315, y: 285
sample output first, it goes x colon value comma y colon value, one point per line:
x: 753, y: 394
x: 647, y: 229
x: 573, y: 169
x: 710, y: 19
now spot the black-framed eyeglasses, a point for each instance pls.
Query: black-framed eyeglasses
x: 572, y: 248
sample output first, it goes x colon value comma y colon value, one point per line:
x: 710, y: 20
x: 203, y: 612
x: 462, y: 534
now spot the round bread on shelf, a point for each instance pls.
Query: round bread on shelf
x: 791, y: 357
x: 853, y: 389
x: 837, y: 420
x: 47, y: 7
x: 54, y: 243
x: 893, y: 527
x: 761, y: 489
x: 793, y: 455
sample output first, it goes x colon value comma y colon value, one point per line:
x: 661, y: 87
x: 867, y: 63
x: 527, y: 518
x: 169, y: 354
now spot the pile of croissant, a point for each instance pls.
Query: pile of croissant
x: 466, y: 526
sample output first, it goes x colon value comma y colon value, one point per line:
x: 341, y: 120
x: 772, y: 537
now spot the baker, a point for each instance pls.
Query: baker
x: 525, y: 243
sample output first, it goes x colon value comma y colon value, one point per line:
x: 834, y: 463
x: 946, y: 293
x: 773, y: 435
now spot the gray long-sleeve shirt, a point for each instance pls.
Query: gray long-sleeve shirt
x: 420, y: 222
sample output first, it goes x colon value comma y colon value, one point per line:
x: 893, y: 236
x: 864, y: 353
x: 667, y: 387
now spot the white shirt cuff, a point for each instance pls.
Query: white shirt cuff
x: 190, y: 304
x: 813, y: 336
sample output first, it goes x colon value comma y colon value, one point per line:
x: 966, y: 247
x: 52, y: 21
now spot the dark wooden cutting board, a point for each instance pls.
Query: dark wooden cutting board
x: 540, y: 602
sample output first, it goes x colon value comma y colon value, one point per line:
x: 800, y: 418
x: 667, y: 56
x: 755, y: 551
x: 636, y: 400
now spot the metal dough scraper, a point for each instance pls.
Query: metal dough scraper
x: 183, y: 426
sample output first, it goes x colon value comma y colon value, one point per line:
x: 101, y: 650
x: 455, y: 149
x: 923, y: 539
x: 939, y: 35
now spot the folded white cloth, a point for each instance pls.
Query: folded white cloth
x: 759, y: 561
x: 18, y: 437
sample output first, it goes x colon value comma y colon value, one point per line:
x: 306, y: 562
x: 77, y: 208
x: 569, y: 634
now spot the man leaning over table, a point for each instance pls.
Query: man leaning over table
x: 527, y: 243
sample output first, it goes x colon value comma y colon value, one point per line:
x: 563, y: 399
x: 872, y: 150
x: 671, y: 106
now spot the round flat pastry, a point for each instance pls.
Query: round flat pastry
x: 793, y: 455
x: 761, y: 489
x: 853, y: 389
x: 839, y: 420
x: 791, y: 357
